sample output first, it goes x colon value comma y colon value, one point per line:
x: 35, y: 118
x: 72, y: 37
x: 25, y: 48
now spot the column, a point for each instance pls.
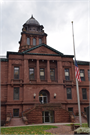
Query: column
x: 60, y: 75
x: 48, y: 71
x: 38, y: 72
x: 24, y: 40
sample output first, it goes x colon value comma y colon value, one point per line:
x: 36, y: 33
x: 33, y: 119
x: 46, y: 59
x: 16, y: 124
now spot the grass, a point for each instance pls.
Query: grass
x: 83, y: 124
x: 27, y: 130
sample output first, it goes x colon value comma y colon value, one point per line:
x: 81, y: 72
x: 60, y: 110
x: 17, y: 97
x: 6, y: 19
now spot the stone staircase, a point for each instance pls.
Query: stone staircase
x: 77, y: 119
x: 16, y: 122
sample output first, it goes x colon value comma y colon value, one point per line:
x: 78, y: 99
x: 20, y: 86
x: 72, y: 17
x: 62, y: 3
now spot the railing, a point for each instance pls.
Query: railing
x: 84, y: 115
x: 8, y: 120
x: 74, y: 115
x: 25, y: 111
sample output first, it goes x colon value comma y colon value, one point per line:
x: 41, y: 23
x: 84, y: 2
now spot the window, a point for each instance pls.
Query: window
x: 52, y: 74
x: 69, y: 94
x: 42, y: 74
x: 70, y: 109
x: 82, y: 75
x: 16, y: 93
x: 40, y: 40
x: 31, y: 73
x: 28, y: 41
x: 16, y: 72
x: 34, y: 41
x: 43, y: 97
x: 84, y: 94
x: 89, y: 75
x: 67, y: 74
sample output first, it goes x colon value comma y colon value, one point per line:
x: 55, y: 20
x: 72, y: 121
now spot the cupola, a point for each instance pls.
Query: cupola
x: 32, y: 34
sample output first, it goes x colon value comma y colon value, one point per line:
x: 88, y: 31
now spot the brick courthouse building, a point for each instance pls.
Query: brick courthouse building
x: 39, y: 81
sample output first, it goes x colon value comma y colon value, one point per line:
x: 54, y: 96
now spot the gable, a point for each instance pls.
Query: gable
x: 42, y: 50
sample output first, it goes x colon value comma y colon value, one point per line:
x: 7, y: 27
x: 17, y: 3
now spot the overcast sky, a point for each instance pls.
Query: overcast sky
x: 55, y: 16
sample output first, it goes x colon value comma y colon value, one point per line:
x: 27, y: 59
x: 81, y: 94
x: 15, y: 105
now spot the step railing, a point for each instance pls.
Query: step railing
x: 84, y: 115
x: 8, y: 119
x: 24, y: 113
x: 72, y: 117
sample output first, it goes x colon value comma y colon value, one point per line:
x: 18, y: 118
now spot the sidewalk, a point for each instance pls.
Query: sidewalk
x: 55, y: 124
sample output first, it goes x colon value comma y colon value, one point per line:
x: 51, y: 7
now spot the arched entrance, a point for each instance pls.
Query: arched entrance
x: 44, y: 96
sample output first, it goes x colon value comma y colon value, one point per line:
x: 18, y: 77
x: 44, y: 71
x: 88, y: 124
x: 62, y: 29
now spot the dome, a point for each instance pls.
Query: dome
x: 32, y: 21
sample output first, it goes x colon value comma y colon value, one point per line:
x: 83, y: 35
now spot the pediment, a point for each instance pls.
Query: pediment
x: 42, y: 50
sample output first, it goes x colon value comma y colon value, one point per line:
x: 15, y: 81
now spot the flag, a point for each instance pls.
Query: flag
x: 77, y: 73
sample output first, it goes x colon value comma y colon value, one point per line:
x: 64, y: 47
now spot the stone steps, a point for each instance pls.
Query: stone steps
x: 82, y: 118
x: 16, y: 122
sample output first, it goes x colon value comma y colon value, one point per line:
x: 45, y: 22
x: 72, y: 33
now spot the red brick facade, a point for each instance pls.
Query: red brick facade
x: 36, y: 57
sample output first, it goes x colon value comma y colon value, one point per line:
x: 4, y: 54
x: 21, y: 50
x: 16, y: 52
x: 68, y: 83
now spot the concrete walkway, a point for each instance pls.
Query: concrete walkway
x: 54, y: 124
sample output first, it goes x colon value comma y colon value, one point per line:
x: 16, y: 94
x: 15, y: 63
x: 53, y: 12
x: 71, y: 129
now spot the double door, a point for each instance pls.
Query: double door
x: 48, y: 116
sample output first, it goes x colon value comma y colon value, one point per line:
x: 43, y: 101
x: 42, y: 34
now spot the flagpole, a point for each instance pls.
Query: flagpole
x: 76, y: 78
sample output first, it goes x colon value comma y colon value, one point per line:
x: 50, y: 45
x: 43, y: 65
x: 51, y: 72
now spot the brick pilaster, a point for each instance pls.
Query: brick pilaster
x: 38, y: 72
x: 48, y: 71
x: 26, y: 71
x: 60, y: 75
x: 37, y: 41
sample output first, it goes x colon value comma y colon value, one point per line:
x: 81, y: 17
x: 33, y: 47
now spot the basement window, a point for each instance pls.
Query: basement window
x: 70, y: 109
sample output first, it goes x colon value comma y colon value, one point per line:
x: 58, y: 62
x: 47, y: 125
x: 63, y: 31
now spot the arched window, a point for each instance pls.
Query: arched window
x: 40, y: 40
x: 34, y: 41
x: 44, y: 96
x: 28, y: 41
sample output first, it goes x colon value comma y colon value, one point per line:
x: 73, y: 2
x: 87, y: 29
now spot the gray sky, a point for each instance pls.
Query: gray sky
x: 55, y: 16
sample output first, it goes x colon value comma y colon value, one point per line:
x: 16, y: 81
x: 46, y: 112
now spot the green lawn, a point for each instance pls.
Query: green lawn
x: 27, y: 130
x: 83, y: 124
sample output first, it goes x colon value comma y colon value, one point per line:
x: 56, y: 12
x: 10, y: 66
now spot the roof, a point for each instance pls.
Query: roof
x: 27, y: 52
x: 3, y: 59
x: 32, y: 21
x: 52, y: 49
x: 83, y: 62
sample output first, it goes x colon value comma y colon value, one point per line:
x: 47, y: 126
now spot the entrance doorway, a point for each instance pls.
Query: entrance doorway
x: 15, y: 112
x: 48, y: 116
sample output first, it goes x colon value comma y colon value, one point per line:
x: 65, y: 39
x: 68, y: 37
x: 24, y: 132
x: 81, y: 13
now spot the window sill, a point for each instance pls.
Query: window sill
x: 43, y: 80
x: 67, y: 81
x: 32, y: 80
x: 16, y: 81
